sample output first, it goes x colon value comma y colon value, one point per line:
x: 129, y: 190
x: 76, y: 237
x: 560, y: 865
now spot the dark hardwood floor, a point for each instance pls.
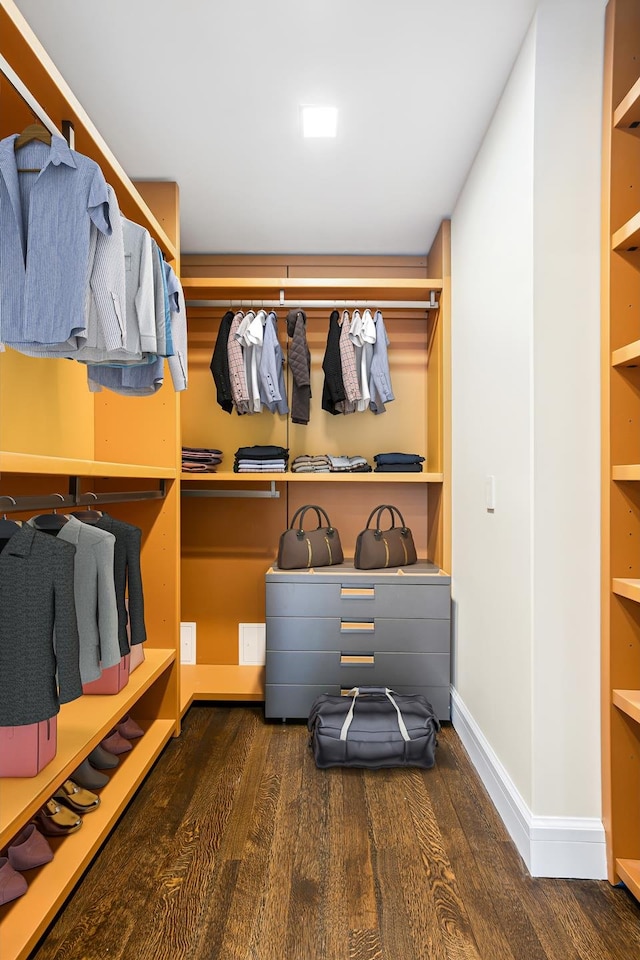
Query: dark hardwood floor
x: 237, y: 848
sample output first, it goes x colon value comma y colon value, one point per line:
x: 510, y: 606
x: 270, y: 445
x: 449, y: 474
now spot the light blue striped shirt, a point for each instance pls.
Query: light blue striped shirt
x: 45, y: 221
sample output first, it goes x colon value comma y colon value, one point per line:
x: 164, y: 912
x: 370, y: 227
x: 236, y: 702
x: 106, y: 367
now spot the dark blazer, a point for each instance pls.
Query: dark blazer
x: 219, y: 365
x: 36, y: 596
x: 128, y: 579
x: 333, y: 389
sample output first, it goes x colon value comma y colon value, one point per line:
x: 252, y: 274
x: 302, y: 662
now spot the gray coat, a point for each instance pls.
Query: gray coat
x: 128, y: 578
x: 95, y: 596
x: 36, y: 596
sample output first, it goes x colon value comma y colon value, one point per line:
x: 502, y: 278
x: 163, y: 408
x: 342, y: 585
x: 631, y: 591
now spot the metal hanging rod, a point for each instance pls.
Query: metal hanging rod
x: 431, y: 304
x: 77, y: 499
x: 270, y: 494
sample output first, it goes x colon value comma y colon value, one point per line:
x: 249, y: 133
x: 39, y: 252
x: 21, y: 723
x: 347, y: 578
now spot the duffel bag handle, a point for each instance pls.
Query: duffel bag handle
x: 389, y: 694
x: 392, y: 511
x: 301, y: 511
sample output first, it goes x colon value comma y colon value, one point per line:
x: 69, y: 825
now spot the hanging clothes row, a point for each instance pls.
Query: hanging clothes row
x: 71, y: 606
x: 78, y: 280
x: 247, y: 364
x: 356, y: 364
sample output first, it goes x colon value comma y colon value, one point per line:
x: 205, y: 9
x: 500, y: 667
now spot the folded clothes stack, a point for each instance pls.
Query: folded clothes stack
x: 200, y: 459
x: 398, y: 463
x: 307, y: 464
x: 261, y: 459
x: 349, y: 465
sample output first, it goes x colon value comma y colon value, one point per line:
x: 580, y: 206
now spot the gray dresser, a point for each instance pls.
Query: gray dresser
x: 334, y: 628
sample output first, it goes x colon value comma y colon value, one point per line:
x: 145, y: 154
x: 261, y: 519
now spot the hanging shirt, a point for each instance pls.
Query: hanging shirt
x: 45, y: 221
x: 363, y: 335
x: 379, y: 374
x: 178, y: 364
x: 271, y: 371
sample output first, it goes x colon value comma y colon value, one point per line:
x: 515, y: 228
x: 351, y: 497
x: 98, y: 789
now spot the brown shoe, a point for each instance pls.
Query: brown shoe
x: 55, y: 820
x: 12, y: 884
x: 29, y: 849
x: 76, y: 797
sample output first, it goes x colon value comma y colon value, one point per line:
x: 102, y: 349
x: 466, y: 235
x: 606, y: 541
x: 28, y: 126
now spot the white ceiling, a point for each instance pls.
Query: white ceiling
x: 208, y: 94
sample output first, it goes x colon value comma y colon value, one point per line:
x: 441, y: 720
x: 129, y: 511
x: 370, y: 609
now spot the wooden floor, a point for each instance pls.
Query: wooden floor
x: 237, y: 848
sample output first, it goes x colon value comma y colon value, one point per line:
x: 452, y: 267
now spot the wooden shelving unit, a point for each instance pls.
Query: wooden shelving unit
x: 621, y: 444
x: 56, y: 436
x: 230, y: 543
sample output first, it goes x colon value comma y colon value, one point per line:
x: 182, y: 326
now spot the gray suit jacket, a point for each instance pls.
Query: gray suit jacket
x: 128, y: 577
x: 95, y: 596
x: 36, y: 596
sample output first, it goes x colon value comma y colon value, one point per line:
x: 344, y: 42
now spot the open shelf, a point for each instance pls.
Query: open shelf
x: 315, y: 288
x: 628, y: 111
x: 82, y: 724
x: 629, y: 702
x: 629, y: 871
x: 11, y: 462
x: 626, y: 471
x: 627, y: 238
x: 205, y: 681
x: 627, y: 588
x: 25, y: 919
x: 228, y: 476
x: 627, y: 356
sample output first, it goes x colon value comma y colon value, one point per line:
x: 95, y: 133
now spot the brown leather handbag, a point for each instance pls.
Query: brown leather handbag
x: 300, y: 548
x: 376, y: 548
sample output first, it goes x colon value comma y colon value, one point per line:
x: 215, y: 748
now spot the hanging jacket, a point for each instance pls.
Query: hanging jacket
x: 300, y: 364
x: 219, y: 365
x: 333, y: 389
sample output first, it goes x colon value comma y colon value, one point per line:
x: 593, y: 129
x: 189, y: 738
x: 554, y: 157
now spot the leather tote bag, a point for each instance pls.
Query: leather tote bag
x: 373, y: 727
x: 301, y: 548
x: 393, y: 547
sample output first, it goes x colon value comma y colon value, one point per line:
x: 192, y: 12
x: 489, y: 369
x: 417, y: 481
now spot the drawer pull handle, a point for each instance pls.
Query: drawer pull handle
x: 350, y: 626
x: 357, y: 658
x: 358, y: 593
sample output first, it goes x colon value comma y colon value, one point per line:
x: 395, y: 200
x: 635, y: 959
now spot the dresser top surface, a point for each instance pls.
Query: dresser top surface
x: 417, y: 574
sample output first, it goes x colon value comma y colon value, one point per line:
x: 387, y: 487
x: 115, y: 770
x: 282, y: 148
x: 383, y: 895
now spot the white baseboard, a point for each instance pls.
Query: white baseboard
x: 550, y: 846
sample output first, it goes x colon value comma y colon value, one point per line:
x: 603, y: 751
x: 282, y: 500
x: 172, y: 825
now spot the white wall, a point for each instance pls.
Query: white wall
x: 525, y: 302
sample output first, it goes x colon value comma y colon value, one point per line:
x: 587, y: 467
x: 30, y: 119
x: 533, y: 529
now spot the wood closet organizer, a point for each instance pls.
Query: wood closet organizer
x: 55, y: 433
x: 230, y: 541
x: 621, y: 443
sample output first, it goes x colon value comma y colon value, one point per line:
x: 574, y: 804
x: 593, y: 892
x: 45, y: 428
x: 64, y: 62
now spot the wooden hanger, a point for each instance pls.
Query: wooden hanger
x: 35, y: 131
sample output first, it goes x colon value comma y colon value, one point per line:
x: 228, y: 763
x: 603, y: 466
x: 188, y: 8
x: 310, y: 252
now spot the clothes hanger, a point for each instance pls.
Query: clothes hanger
x: 35, y: 131
x: 53, y: 520
x: 8, y: 527
x: 88, y: 516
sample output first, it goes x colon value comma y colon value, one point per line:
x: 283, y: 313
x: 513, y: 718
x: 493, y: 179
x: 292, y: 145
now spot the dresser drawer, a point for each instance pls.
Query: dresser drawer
x: 352, y: 670
x: 284, y: 701
x: 331, y: 633
x: 364, y: 600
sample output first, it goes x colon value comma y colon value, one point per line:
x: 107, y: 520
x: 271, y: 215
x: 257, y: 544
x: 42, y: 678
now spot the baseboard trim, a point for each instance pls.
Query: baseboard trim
x: 568, y: 847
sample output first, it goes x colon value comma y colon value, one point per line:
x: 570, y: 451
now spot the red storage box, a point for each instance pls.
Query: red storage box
x: 25, y: 750
x: 113, y: 679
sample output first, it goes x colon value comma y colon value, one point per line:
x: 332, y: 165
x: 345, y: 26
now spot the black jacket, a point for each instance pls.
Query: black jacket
x: 219, y: 365
x: 333, y: 388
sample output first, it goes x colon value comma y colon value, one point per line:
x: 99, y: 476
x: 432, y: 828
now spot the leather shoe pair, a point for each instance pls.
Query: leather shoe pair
x: 102, y: 759
x: 79, y: 799
x: 12, y: 884
x: 56, y: 820
x: 115, y: 743
x: 29, y: 849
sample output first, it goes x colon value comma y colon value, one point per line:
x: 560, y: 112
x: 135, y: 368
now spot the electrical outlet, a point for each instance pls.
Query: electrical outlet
x: 252, y: 642
x: 188, y: 642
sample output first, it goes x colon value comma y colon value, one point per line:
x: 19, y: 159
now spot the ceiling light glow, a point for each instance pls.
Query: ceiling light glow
x: 319, y: 121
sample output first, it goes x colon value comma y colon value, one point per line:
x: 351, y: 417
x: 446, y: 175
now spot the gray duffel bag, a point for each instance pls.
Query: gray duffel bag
x: 373, y: 727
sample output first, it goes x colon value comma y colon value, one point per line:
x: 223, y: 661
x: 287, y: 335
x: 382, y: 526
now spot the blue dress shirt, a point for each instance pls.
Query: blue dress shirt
x: 45, y: 221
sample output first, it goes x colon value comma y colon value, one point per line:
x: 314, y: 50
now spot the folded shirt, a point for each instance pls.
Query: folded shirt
x: 237, y: 469
x: 261, y: 453
x: 197, y: 451
x: 382, y: 458
x: 399, y: 468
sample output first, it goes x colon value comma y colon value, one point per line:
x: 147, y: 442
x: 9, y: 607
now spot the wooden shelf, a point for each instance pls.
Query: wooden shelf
x: 11, y: 462
x: 629, y: 871
x: 206, y: 681
x: 29, y: 60
x: 82, y: 724
x: 230, y: 477
x: 627, y: 588
x: 626, y: 471
x: 26, y: 919
x: 315, y: 288
x: 629, y: 702
x: 627, y: 238
x: 628, y: 111
x: 627, y: 356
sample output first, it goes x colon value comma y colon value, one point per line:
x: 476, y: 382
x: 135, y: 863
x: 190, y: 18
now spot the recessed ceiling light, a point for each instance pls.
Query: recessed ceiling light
x: 319, y: 121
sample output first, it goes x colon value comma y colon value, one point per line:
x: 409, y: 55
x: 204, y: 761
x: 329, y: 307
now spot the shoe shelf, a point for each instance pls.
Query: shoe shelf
x: 625, y: 587
x: 25, y: 919
x: 629, y: 702
x: 82, y: 724
x: 629, y: 871
x: 228, y: 476
x: 208, y: 681
x: 11, y: 462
